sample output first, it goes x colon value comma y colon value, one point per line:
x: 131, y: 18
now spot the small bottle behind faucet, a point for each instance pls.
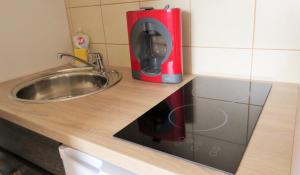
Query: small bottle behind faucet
x: 81, y: 45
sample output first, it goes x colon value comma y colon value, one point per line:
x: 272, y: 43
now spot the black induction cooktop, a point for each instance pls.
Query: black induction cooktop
x: 209, y: 121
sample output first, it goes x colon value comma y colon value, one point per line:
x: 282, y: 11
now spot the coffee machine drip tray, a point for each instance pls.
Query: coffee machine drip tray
x: 209, y: 121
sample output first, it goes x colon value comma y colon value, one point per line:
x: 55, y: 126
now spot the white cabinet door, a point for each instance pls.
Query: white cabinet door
x: 78, y: 163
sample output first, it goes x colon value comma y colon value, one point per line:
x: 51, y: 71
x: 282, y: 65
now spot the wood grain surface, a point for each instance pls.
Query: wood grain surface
x: 88, y: 124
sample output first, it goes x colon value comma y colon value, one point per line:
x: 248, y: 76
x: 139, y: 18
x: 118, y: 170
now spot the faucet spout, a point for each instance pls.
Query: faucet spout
x: 61, y: 55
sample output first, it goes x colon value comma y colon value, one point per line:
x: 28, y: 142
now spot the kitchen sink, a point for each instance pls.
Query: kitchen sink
x: 65, y: 85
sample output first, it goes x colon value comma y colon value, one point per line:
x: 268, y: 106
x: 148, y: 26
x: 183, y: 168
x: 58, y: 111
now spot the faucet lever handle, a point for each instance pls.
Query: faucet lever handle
x: 98, y: 61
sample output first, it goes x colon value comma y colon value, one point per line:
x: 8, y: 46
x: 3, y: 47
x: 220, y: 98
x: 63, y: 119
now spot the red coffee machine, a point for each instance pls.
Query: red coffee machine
x: 155, y: 44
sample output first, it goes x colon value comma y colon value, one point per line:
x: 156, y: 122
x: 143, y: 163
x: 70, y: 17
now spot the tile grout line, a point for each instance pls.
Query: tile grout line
x: 83, y: 6
x: 211, y: 47
x: 252, y: 55
x: 216, y: 47
x: 93, y: 5
x: 190, y: 49
x: 250, y: 48
x: 253, y: 40
x: 129, y: 2
x: 291, y: 50
x: 190, y: 18
x: 104, y: 34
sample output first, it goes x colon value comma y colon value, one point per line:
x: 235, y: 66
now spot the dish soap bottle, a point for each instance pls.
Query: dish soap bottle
x: 81, y: 44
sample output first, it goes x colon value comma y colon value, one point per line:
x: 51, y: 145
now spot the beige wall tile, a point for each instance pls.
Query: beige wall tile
x: 221, y: 62
x: 114, y: 19
x: 100, y: 48
x: 278, y: 24
x: 118, y: 55
x: 77, y: 3
x: 184, y: 5
x: 90, y: 21
x: 226, y: 23
x: 276, y: 65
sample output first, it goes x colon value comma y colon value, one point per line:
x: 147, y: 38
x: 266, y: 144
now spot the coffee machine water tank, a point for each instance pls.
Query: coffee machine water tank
x: 155, y: 44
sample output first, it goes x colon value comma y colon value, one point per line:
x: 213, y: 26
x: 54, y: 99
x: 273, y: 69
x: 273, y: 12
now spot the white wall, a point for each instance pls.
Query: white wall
x: 258, y: 39
x: 31, y: 33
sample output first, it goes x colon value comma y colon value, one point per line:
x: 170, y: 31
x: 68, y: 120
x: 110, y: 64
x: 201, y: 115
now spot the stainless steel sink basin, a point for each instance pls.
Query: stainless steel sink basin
x: 65, y: 85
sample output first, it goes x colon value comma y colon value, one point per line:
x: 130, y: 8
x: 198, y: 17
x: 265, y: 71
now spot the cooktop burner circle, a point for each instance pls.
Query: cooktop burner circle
x: 216, y: 114
x: 238, y: 98
x: 208, y: 121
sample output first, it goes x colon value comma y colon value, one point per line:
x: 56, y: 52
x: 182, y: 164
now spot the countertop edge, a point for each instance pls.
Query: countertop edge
x: 251, y: 163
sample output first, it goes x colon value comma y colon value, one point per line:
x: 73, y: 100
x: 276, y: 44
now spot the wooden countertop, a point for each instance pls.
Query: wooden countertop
x: 88, y: 124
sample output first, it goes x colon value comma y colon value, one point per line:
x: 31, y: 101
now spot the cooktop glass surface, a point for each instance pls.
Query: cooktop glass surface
x: 208, y: 121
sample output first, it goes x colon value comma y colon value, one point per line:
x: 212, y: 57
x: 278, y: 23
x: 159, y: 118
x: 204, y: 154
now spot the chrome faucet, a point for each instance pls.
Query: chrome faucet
x: 98, y: 61
x: 97, y: 64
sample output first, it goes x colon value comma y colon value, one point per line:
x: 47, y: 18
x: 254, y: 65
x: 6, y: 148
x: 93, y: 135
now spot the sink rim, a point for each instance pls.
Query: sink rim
x: 84, y: 70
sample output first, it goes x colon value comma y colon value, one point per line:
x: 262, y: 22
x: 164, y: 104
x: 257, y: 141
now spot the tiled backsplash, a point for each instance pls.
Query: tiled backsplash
x: 258, y: 39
